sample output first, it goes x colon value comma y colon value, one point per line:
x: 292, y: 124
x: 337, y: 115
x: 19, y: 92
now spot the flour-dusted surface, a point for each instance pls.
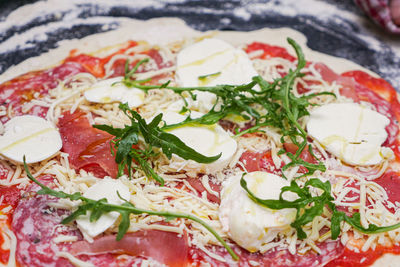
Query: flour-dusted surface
x: 164, y: 30
x: 334, y: 27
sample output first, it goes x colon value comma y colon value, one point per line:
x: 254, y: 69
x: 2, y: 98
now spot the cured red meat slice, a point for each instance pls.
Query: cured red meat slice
x: 254, y: 161
x: 270, y: 51
x: 390, y: 181
x: 88, y: 148
x: 251, y: 160
x: 94, y: 65
x: 23, y: 87
x: 273, y: 257
x: 305, y: 154
x: 382, y: 95
x: 10, y: 195
x: 199, y: 187
x: 165, y: 247
x: 119, y: 66
x: 361, y: 86
x: 35, y: 225
x: 351, y: 258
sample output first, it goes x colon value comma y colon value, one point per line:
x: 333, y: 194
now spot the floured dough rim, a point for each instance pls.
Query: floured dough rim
x: 167, y: 30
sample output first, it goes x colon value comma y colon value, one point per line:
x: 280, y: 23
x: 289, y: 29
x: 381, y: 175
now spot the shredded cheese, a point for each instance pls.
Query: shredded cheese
x: 351, y: 188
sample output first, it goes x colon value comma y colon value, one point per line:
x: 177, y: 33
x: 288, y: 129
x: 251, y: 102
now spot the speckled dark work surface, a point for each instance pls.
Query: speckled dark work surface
x: 327, y: 37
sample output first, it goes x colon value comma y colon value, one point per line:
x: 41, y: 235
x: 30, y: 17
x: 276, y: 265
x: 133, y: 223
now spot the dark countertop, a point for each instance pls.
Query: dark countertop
x: 330, y: 30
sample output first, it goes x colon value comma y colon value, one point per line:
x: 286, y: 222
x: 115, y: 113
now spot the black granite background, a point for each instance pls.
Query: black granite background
x: 328, y: 37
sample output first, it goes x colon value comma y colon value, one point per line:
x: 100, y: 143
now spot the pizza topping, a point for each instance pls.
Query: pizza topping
x: 99, y: 207
x: 351, y: 132
x: 249, y: 224
x: 208, y: 140
x: 35, y: 224
x: 278, y: 106
x: 88, y: 148
x: 31, y: 136
x: 270, y: 113
x: 112, y: 190
x: 24, y: 87
x: 212, y: 62
x: 153, y: 136
x: 361, y: 86
x: 266, y: 51
x: 385, y: 102
x: 307, y: 212
x: 167, y: 248
x: 112, y: 90
x: 275, y: 256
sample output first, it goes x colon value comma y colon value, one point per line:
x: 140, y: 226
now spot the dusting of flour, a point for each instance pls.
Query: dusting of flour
x: 32, y: 26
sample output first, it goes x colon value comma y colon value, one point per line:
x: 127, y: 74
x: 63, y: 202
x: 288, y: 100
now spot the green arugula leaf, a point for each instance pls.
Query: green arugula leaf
x: 169, y: 143
x: 309, y: 207
x: 154, y: 136
x: 145, y: 166
x: 100, y: 207
x: 282, y: 109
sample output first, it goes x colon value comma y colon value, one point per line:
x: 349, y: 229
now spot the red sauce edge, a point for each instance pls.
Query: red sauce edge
x: 348, y: 258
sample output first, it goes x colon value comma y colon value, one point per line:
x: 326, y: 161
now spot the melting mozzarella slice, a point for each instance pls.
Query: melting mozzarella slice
x: 209, y: 140
x: 351, y: 132
x: 113, y: 90
x: 211, y: 62
x: 106, y: 188
x: 31, y: 136
x: 246, y: 222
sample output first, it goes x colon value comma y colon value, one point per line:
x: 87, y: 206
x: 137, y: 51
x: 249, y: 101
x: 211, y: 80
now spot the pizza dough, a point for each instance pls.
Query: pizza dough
x: 167, y: 30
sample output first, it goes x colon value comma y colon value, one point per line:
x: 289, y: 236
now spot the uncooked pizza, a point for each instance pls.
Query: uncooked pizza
x: 199, y: 151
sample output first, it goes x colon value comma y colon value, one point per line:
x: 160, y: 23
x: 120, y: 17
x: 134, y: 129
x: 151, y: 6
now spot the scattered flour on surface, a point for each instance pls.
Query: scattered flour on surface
x: 67, y: 14
x: 54, y: 15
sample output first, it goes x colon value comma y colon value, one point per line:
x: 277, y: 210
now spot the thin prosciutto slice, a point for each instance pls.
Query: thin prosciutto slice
x: 254, y: 161
x: 275, y: 257
x: 28, y: 86
x: 199, y: 187
x: 165, y: 247
x: 37, y: 225
x: 23, y: 87
x: 88, y: 148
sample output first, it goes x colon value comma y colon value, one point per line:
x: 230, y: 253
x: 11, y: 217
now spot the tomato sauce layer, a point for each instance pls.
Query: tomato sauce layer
x: 358, y: 85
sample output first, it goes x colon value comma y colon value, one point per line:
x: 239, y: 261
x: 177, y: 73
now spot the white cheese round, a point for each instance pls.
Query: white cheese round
x: 246, y: 222
x: 351, y: 132
x: 106, y: 188
x: 113, y: 90
x: 209, y: 140
x: 219, y: 61
x: 32, y: 136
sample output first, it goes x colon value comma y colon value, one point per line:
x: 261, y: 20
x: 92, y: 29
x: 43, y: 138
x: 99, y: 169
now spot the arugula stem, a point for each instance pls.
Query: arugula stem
x: 251, y: 129
x: 309, y: 207
x: 127, y: 139
x: 371, y: 229
x: 103, y: 207
x: 282, y: 109
x: 129, y: 73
